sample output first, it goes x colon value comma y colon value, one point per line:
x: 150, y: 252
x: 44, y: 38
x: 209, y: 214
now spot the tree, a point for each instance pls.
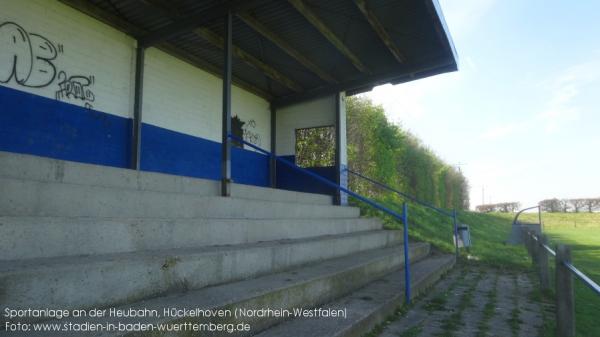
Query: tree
x: 551, y: 205
x: 578, y: 204
x: 389, y: 154
x: 592, y: 204
x: 504, y: 207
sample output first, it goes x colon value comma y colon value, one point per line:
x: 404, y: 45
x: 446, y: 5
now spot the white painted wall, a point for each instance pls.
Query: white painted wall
x: 177, y: 95
x: 181, y: 97
x: 318, y: 112
x: 80, y: 46
x: 315, y: 113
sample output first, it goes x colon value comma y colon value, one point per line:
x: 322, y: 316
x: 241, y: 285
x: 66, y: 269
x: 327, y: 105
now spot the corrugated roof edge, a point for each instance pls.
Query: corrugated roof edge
x: 442, y: 22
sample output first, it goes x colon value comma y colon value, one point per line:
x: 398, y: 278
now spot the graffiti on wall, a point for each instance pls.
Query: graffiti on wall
x: 244, y: 130
x: 250, y: 135
x: 75, y: 87
x: 28, y: 59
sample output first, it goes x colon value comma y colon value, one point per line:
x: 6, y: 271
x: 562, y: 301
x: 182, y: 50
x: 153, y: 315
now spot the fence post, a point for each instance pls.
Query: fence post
x: 543, y: 263
x: 455, y: 224
x: 565, y: 301
x: 535, y: 251
x: 527, y: 242
x: 406, y: 257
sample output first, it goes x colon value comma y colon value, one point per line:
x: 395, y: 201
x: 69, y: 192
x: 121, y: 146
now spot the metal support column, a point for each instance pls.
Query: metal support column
x: 338, y: 142
x: 407, y: 290
x: 226, y: 128
x: 273, y: 160
x: 136, y: 132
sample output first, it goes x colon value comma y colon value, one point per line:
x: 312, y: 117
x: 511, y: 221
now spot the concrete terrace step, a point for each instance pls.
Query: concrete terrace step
x: 37, y: 198
x: 39, y: 237
x: 42, y: 169
x: 102, y: 280
x: 304, y: 287
x: 368, y: 306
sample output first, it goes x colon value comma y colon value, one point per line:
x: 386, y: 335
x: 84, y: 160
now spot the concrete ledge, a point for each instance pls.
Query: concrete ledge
x: 304, y: 287
x: 42, y: 169
x: 368, y: 306
x: 43, y: 237
x: 35, y: 198
x: 103, y: 280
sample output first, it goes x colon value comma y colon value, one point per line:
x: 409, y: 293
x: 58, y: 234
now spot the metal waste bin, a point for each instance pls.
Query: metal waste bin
x: 464, y: 236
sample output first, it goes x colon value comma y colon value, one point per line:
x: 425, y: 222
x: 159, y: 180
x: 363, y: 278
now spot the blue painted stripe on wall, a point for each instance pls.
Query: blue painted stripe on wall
x: 172, y: 152
x: 41, y: 126
x: 289, y: 179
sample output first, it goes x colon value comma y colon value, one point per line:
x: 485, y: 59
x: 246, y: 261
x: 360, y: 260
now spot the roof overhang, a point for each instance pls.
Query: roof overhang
x: 288, y: 51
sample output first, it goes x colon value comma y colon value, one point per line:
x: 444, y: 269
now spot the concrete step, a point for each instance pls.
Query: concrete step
x: 102, y: 280
x: 39, y: 237
x: 42, y: 169
x: 304, y: 287
x: 368, y: 306
x: 38, y: 198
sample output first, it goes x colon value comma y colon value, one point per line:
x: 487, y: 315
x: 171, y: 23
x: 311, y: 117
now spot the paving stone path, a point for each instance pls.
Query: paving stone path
x: 473, y: 301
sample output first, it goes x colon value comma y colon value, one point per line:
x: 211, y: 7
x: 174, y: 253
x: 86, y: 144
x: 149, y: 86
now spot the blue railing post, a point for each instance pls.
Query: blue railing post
x: 406, y: 257
x: 454, y: 220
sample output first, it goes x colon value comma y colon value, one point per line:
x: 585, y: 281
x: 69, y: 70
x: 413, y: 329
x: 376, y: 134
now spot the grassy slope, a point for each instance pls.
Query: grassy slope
x: 488, y: 234
x: 489, y: 231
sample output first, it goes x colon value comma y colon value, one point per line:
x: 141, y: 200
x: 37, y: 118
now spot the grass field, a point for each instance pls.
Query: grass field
x: 490, y: 231
x: 581, y: 231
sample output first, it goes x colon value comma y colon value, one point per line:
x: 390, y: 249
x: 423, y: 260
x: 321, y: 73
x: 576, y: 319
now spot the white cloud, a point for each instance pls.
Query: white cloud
x: 563, y: 90
x: 561, y: 94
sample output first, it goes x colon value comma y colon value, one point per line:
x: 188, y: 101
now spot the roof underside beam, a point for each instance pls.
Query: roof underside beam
x: 269, y: 71
x: 286, y: 47
x: 312, y: 17
x: 190, y: 23
x: 380, y: 30
x: 121, y: 24
x: 239, y: 53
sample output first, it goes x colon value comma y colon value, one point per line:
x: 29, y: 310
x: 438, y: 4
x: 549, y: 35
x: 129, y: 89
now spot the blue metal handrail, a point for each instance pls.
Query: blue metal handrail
x: 401, y: 217
x: 405, y: 195
x: 452, y: 214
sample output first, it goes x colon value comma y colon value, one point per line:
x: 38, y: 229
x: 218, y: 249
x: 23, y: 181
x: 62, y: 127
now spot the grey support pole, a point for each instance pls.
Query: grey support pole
x: 226, y: 128
x: 273, y: 161
x: 338, y: 144
x: 565, y: 301
x: 136, y: 132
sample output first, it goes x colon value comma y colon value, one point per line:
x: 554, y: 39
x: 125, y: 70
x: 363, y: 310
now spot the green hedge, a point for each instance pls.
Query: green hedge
x: 387, y: 153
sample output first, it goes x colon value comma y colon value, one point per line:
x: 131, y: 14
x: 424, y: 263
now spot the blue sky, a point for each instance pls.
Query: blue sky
x: 522, y: 115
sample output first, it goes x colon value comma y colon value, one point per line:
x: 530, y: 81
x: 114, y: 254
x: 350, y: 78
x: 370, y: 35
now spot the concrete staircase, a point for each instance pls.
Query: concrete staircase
x: 78, y: 236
